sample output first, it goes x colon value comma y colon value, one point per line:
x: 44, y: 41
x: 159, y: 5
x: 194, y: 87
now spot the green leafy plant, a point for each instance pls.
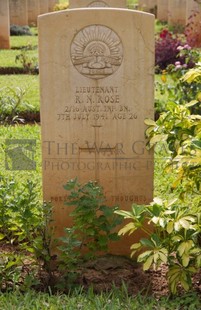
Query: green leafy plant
x: 29, y: 63
x: 24, y: 221
x: 11, y: 100
x: 172, y: 87
x: 93, y: 221
x: 174, y: 241
x: 10, y: 270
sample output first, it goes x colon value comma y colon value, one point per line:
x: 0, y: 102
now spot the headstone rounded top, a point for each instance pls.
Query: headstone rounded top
x: 96, y: 51
x: 98, y: 4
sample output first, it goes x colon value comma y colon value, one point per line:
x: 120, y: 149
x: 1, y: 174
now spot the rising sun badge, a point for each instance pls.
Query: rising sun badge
x: 96, y: 51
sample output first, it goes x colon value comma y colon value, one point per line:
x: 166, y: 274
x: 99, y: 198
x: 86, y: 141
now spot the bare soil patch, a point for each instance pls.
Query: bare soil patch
x: 103, y: 274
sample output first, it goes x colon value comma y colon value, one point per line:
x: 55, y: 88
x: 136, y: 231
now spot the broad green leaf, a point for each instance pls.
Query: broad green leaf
x: 195, y: 116
x: 135, y: 246
x: 173, y: 270
x: 162, y: 222
x: 185, y: 224
x: 10, y: 264
x: 149, y: 130
x: 163, y: 255
x: 173, y: 287
x: 155, y: 219
x: 184, y: 284
x: 181, y: 248
x: 185, y: 260
x: 158, y: 201
x: 171, y: 202
x: 128, y: 228
x: 191, y: 103
x: 148, y: 263
x: 156, y: 257
x: 177, y: 226
x: 170, y: 227
x: 156, y: 240
x: 192, y: 269
x: 158, y: 138
x: 176, y: 238
x: 150, y: 122
x: 2, y: 236
x: 146, y: 242
x: 142, y: 256
x: 125, y: 214
x: 197, y: 143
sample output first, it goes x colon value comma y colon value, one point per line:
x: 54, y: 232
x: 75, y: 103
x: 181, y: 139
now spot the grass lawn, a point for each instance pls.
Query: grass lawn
x: 78, y: 300
x: 21, y: 132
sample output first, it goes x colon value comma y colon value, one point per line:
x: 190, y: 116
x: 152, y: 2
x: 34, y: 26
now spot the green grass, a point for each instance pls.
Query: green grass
x: 8, y: 57
x: 22, y: 132
x: 117, y: 300
x: 20, y: 41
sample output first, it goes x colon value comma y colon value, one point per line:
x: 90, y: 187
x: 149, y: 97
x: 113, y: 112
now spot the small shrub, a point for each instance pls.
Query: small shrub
x: 171, y: 49
x: 174, y: 241
x: 93, y: 221
x: 166, y: 49
x: 16, y: 30
x: 29, y: 63
x: 11, y: 101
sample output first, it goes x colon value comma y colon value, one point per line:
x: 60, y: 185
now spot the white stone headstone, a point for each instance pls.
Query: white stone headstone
x: 44, y: 6
x: 162, y: 10
x: 96, y: 80
x: 4, y: 25
x: 177, y: 12
x: 18, y: 12
x: 33, y: 11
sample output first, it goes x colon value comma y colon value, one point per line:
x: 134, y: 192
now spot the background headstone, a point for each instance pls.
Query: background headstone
x: 4, y: 25
x: 162, y: 10
x: 148, y: 5
x: 193, y: 21
x: 192, y: 6
x: 44, y: 6
x: 96, y: 81
x: 177, y: 12
x: 18, y: 12
x: 52, y: 4
x: 33, y: 11
x: 93, y: 3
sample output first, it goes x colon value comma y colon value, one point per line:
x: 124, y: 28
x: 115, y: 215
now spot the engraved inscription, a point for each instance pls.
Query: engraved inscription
x: 97, y: 103
x: 96, y: 51
x: 98, y: 4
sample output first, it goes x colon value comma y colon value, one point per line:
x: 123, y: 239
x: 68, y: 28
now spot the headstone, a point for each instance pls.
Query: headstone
x: 193, y: 21
x: 4, y: 25
x: 96, y: 80
x: 162, y: 10
x: 44, y: 6
x: 18, y: 12
x: 93, y: 3
x: 148, y: 5
x: 177, y: 12
x: 52, y: 4
x: 192, y: 6
x: 33, y: 11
